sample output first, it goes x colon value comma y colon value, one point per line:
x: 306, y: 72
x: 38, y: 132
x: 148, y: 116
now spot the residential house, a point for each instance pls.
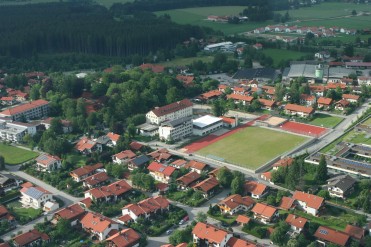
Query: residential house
x: 308, y: 100
x: 341, y: 186
x: 267, y: 176
x: 123, y: 157
x: 160, y: 155
x: 352, y: 98
x: 136, y: 146
x: 5, y: 215
x: 355, y: 232
x: 124, y: 238
x: 109, y: 193
x: 47, y: 162
x: 208, y: 187
x: 31, y: 110
x: 242, y: 90
x: 296, y: 223
x: 336, y: 85
x: 138, y: 162
x: 324, y: 103
x: 326, y: 235
x: 214, y: 173
x: 237, y: 242
x: 211, y: 95
x: 8, y: 101
x: 160, y: 172
x: 113, y: 138
x: 317, y: 90
x: 229, y: 122
x: 244, y: 99
x: 222, y: 87
x: 264, y: 213
x: 50, y: 206
x: 35, y: 197
x: 267, y: 104
x: 269, y: 91
x: 243, y: 220
x: 298, y: 110
x: 364, y: 80
x: 156, y: 68
x: 311, y: 204
x: 196, y: 166
x: 146, y: 208
x: 178, y: 163
x: 255, y: 189
x: 15, y: 131
x: 95, y: 180
x: 72, y: 214
x: 87, y: 146
x: 97, y: 225
x: 8, y: 181
x: 235, y: 203
x: 284, y: 162
x: 187, y: 80
x: 31, y: 238
x: 66, y: 124
x: 188, y: 180
x: 208, y: 235
x: 170, y: 112
x: 258, y: 46
x: 287, y: 203
x: 341, y: 105
x: 83, y: 172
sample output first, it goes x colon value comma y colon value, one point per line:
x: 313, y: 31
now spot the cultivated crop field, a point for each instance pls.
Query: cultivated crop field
x: 253, y: 146
x: 14, y: 155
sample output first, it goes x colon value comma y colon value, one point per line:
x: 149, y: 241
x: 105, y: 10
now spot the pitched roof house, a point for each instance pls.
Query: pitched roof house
x: 208, y: 187
x: 123, y: 157
x: 244, y: 99
x: 96, y: 180
x: 287, y: 203
x: 72, y: 213
x: 87, y: 146
x: 83, y: 172
x: 352, y: 98
x: 188, y: 180
x: 160, y: 172
x: 264, y: 213
x: 308, y: 100
x: 296, y: 223
x: 255, y: 189
x: 324, y: 103
x: 287, y: 161
x: 356, y: 232
x: 341, y: 186
x: 196, y: 166
x: 30, y: 238
x: 210, y: 235
x: 35, y: 197
x: 146, y: 208
x: 302, y: 111
x: 326, y: 235
x: 124, y: 238
x: 113, y: 137
x: 98, y: 225
x: 5, y: 215
x: 136, y: 146
x: 311, y: 204
x: 47, y: 162
x: 234, y: 203
x: 111, y: 192
x: 138, y: 162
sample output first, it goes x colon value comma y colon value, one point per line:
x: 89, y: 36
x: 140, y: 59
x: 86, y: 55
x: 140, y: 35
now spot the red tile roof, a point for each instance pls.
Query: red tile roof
x: 336, y: 85
x: 355, y: 231
x: 264, y: 210
x: 115, y: 189
x: 330, y: 235
x: 125, y: 218
x: 324, y: 101
x: 154, y: 67
x: 160, y: 168
x: 211, y: 94
x: 236, y: 242
x: 82, y: 171
x: 296, y: 221
x: 350, y: 96
x: 96, y: 222
x: 267, y: 102
x: 286, y: 203
x: 234, y: 201
x: 186, y: 79
x: 179, y: 163
x: 87, y: 202
x: 196, y: 165
x: 125, y: 238
x: 209, y: 233
x: 287, y: 161
x: 136, y: 146
x: 266, y: 175
x: 243, y: 219
x: 4, y: 214
x: 299, y: 108
x: 47, y: 159
x: 311, y: 201
x: 126, y: 154
x: 317, y: 88
x: 26, y: 185
x: 254, y: 187
x: 228, y: 120
x: 113, y: 137
x: 85, y: 143
x: 24, y: 107
x: 240, y: 97
x: 343, y: 103
x: 29, y: 237
x: 148, y: 205
x: 307, y: 97
x: 189, y: 178
x: 207, y: 184
x: 96, y: 178
x: 173, y: 107
x: 70, y: 212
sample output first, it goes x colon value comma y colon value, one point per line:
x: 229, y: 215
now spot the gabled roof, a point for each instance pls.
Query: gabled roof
x: 264, y: 210
x: 233, y: 201
x: 311, y: 201
x: 299, y: 108
x: 287, y: 203
x: 254, y: 187
x: 242, y: 219
x: 267, y: 102
x: 287, y: 161
x: 179, y: 163
x: 47, y: 159
x: 211, y: 94
x: 331, y: 235
x: 196, y: 165
x: 237, y: 242
x: 343, y: 182
x: 209, y: 233
x: 136, y: 146
x: 189, y: 178
x: 125, y: 238
x: 126, y: 154
x: 113, y: 137
x: 24, y: 107
x: 70, y: 212
x: 207, y: 185
x: 140, y: 160
x: 29, y: 237
x: 115, y: 189
x: 351, y: 96
x: 148, y: 205
x: 240, y: 97
x: 96, y: 178
x: 34, y: 192
x: 160, y: 168
x: 82, y: 171
x: 173, y: 107
x: 186, y: 79
x: 307, y: 97
x: 296, y: 221
x: 156, y: 68
x: 355, y: 231
x: 343, y: 102
x: 85, y: 143
x: 324, y: 101
x: 96, y: 222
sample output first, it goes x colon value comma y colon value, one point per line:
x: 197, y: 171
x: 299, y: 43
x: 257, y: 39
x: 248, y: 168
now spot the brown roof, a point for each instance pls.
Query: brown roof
x: 317, y: 88
x: 136, y: 146
x: 47, y: 159
x: 26, y: 185
x: 243, y: 219
x: 264, y: 210
x: 210, y: 233
x: 4, y: 214
x: 299, y: 108
x: 126, y: 238
x: 148, y: 205
x: 324, y: 101
x: 343, y: 102
x: 87, y: 202
x: 207, y: 184
x: 355, y: 231
x: 240, y: 97
x: 24, y: 107
x: 287, y: 203
x: 335, y: 85
x: 189, y: 178
x: 96, y: 178
x: 350, y: 96
x: 237, y: 242
x: 307, y: 97
x: 126, y: 154
x: 196, y: 165
x: 266, y: 102
x: 85, y: 143
x: 173, y: 107
x: 293, y: 220
x: 211, y: 94
x: 233, y: 201
x: 160, y: 168
x: 29, y: 237
x: 70, y: 212
x: 311, y: 201
x: 254, y: 187
x: 6, y: 244
x: 179, y: 163
x: 86, y: 169
x: 186, y: 79
x: 287, y: 161
x: 96, y: 222
x: 115, y: 189
x: 125, y: 218
x: 330, y: 235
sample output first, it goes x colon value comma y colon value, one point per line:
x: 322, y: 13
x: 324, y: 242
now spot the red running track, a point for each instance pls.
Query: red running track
x: 210, y: 139
x: 304, y: 129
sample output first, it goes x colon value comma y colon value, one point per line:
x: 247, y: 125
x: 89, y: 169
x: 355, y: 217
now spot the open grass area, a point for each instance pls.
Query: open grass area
x: 186, y: 61
x: 14, y: 155
x: 253, y: 146
x: 279, y: 55
x: 76, y: 159
x: 23, y: 215
x: 325, y: 120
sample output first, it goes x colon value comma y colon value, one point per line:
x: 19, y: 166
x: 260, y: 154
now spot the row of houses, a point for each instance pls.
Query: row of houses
x: 317, y: 31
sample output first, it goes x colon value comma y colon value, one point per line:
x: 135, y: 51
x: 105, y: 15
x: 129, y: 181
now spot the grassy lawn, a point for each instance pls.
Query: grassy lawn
x: 77, y: 159
x: 325, y: 120
x: 253, y: 146
x: 14, y: 155
x: 278, y: 55
x: 229, y: 220
x: 23, y: 215
x: 186, y: 61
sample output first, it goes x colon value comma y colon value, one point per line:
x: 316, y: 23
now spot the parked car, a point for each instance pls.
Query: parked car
x: 181, y: 222
x: 168, y: 232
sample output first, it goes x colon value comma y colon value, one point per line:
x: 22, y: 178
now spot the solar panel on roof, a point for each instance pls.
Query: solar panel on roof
x: 324, y: 232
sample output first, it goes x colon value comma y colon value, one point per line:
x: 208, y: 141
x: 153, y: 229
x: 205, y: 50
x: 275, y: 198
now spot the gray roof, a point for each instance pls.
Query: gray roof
x: 268, y: 73
x: 176, y: 122
x: 343, y: 182
x: 140, y: 160
x: 103, y: 140
x: 5, y: 177
x: 34, y: 193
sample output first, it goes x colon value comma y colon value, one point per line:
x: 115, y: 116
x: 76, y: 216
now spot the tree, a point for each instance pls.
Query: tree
x: 237, y: 185
x: 225, y: 177
x: 279, y: 234
x: 201, y: 217
x: 349, y: 50
x: 56, y: 126
x: 321, y: 174
x: 324, y: 194
x: 2, y: 163
x: 219, y: 108
x: 131, y: 130
x: 354, y: 12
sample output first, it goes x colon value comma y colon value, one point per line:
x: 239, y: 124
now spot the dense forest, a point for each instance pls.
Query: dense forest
x: 87, y: 29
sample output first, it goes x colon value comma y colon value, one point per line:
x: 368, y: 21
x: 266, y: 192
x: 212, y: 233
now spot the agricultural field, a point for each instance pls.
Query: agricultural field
x: 253, y: 146
x: 14, y: 155
x: 279, y: 55
x: 325, y: 120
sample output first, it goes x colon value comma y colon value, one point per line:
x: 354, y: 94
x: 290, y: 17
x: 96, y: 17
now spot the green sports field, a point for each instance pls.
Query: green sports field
x: 325, y: 120
x: 14, y: 155
x: 253, y: 146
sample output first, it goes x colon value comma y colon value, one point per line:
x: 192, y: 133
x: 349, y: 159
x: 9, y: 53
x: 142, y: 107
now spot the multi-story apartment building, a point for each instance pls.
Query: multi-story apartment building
x: 15, y: 131
x: 31, y: 110
x: 170, y: 112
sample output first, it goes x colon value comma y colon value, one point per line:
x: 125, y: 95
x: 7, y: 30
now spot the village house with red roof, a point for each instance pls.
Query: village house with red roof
x: 95, y: 180
x: 109, y: 193
x: 31, y: 110
x: 136, y: 146
x: 160, y: 155
x: 81, y: 173
x: 188, y: 180
x: 5, y: 215
x: 146, y: 208
x: 311, y: 204
x: 210, y: 95
x: 287, y: 203
x: 123, y: 157
x: 31, y: 238
x: 326, y: 235
x: 298, y: 110
x: 243, y: 99
x: 342, y: 104
x: 35, y: 197
x: 284, y: 162
x: 87, y: 146
x: 267, y: 176
x: 160, y: 172
x: 234, y: 203
x: 255, y: 189
x: 308, y: 100
x: 98, y: 225
x: 352, y: 98
x: 156, y: 68
x: 209, y: 187
x: 8, y: 101
x: 187, y: 80
x: 48, y: 162
x: 324, y: 103
x: 72, y: 214
x: 124, y: 238
x: 296, y: 223
x: 196, y: 166
x: 264, y: 213
x: 267, y: 104
x: 210, y: 235
x: 113, y: 138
